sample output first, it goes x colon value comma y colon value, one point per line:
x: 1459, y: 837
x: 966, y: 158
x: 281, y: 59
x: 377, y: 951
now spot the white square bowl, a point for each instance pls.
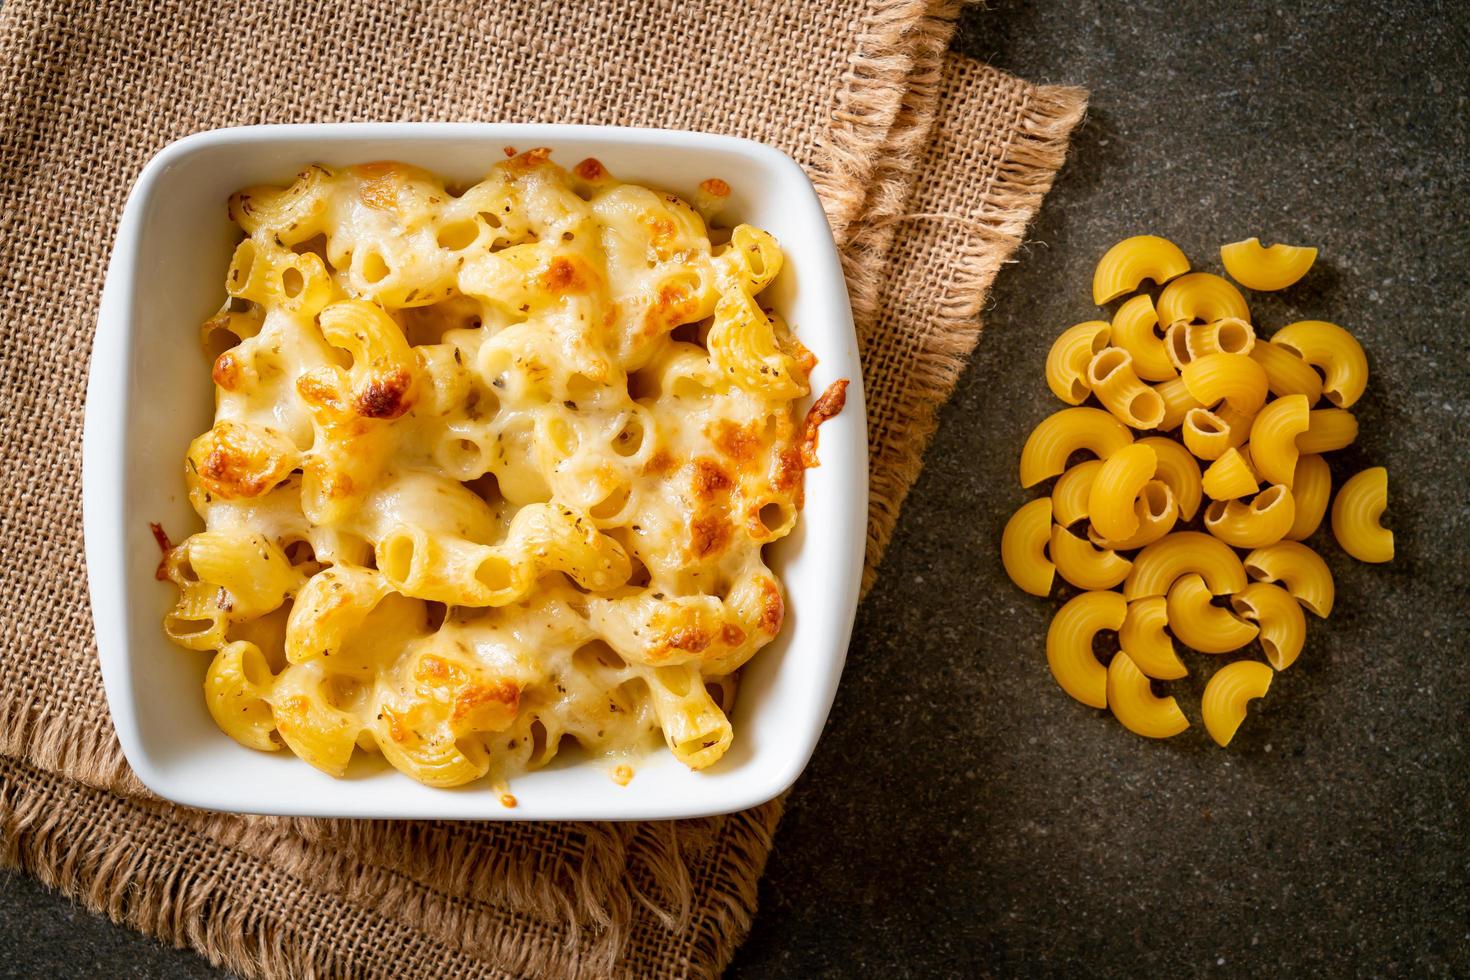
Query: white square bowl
x: 149, y: 393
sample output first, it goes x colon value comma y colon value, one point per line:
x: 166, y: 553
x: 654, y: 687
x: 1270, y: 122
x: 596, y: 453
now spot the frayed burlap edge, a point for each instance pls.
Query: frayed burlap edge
x: 1026, y: 172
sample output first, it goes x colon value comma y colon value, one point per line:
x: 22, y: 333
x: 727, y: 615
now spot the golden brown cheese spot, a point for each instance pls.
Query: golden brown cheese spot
x: 661, y: 234
x: 398, y: 729
x: 318, y: 392
x: 690, y: 639
x: 567, y: 274
x: 432, y: 668
x: 231, y: 470
x: 590, y: 169
x: 384, y: 397
x: 508, y: 801
x: 660, y: 463
x: 708, y: 535
x: 333, y: 484
x: 379, y: 184
x: 531, y: 159
x: 493, y: 705
x: 672, y: 305
x: 709, y: 479
x: 226, y: 372
x: 740, y: 442
x: 732, y: 635
x: 788, y: 470
x: 829, y: 404
x: 715, y: 187
x: 773, y: 607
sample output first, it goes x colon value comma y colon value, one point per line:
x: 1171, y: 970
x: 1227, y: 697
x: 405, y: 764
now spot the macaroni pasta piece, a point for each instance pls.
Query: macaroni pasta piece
x: 1145, y: 641
x: 1133, y: 703
x: 1283, y: 627
x: 493, y: 469
x: 1206, y: 433
x: 1178, y: 470
x: 1356, y: 516
x: 1083, y: 565
x: 1305, y: 574
x: 1066, y: 364
x: 1200, y: 625
x: 1063, y: 433
x: 1177, y: 402
x: 1127, y: 264
x: 1201, y: 296
x: 1157, y: 513
x: 1264, y: 268
x: 1069, y: 644
x: 1184, y: 341
x: 1234, y: 379
x: 1023, y: 547
x: 1115, y: 488
x: 1070, y: 494
x: 1159, y: 565
x: 1328, y: 429
x: 1263, y: 521
x: 1230, y: 477
x: 1286, y: 373
x: 1224, y: 702
x: 1112, y: 379
x: 1135, y: 329
x: 1334, y: 350
x: 1311, y: 485
x: 1273, y: 438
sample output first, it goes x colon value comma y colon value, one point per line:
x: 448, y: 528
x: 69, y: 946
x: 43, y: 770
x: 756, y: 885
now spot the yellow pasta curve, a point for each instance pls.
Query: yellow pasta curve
x: 1157, y: 513
x: 1234, y: 379
x: 1263, y: 521
x: 1067, y: 361
x: 1273, y: 438
x: 1177, y: 402
x: 1023, y: 544
x: 1266, y: 269
x: 1116, y: 385
x: 1329, y: 347
x: 1229, y: 477
x: 1356, y: 516
x: 1116, y: 486
x: 1062, y: 433
x: 1205, y: 433
x: 1311, y: 485
x: 1177, y: 468
x: 1128, y: 263
x: 1286, y: 373
x: 1143, y: 638
x: 1224, y: 703
x: 1200, y: 625
x: 1134, y: 327
x: 1157, y: 567
x: 1305, y: 574
x: 1134, y: 705
x: 1283, y: 626
x: 1069, y: 496
x: 1083, y: 565
x: 1201, y: 296
x: 1328, y: 429
x: 1069, y: 644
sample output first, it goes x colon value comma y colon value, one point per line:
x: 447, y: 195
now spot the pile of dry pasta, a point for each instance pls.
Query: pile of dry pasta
x: 1190, y: 368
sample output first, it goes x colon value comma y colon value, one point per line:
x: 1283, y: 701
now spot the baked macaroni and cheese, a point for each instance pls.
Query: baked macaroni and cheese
x: 491, y: 468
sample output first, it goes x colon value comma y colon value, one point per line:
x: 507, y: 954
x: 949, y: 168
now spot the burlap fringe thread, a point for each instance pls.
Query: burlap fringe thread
x: 884, y: 115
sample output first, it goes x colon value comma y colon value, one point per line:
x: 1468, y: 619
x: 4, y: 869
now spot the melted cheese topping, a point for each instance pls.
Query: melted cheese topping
x: 490, y: 468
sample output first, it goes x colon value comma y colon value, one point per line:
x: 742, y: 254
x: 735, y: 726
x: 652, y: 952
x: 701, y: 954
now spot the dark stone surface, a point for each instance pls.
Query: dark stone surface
x: 963, y: 816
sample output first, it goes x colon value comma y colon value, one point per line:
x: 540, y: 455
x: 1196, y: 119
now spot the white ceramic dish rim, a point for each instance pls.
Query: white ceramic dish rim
x: 839, y: 487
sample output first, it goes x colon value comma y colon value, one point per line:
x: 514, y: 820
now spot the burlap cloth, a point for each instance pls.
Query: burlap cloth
x: 930, y: 166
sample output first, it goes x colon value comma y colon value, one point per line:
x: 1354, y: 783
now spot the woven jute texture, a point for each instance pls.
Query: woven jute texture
x: 930, y: 167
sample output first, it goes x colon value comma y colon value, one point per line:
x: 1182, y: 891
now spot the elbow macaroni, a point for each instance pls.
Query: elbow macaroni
x: 1356, y: 516
x: 1063, y: 433
x: 468, y: 494
x: 1127, y: 264
x: 1265, y: 269
x: 1188, y: 363
x: 1227, y: 693
x: 1069, y: 644
x: 1066, y: 364
x: 1135, y: 327
x: 1334, y: 350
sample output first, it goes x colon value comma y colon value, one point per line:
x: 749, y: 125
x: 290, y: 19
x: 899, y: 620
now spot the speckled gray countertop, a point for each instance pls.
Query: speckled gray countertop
x: 964, y: 817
